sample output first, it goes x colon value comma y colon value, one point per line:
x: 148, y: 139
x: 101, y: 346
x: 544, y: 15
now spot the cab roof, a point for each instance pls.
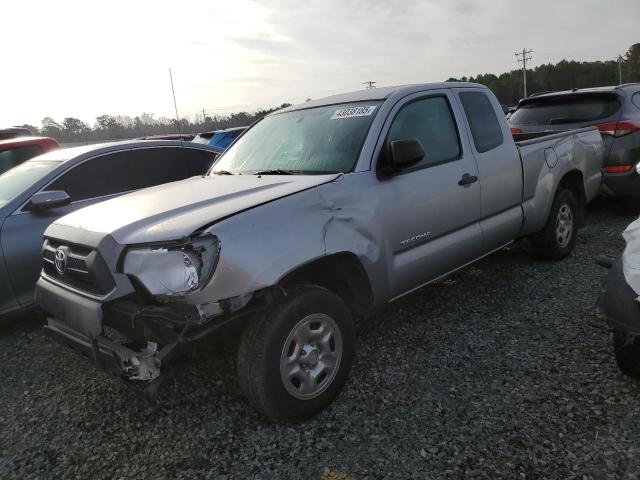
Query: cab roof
x: 377, y: 94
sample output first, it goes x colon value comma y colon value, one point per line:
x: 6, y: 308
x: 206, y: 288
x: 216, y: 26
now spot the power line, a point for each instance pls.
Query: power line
x: 523, y: 57
x: 370, y: 83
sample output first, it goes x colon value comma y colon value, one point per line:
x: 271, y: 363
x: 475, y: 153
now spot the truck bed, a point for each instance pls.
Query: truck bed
x: 546, y: 159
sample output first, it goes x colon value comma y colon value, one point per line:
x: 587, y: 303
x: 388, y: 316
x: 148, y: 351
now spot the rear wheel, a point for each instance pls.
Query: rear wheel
x: 294, y: 362
x: 558, y: 237
x: 627, y: 350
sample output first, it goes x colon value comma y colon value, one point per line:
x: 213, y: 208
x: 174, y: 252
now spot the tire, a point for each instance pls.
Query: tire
x: 280, y: 354
x: 627, y: 350
x: 558, y: 237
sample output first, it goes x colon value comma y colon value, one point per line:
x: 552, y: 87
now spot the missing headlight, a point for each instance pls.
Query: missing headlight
x: 174, y: 271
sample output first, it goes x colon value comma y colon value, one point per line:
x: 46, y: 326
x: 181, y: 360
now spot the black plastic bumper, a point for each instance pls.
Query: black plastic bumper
x: 77, y: 312
x: 618, y: 302
x: 624, y: 184
x: 76, y: 322
x: 101, y: 351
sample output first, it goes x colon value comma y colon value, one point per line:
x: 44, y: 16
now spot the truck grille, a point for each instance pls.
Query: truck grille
x: 84, y: 269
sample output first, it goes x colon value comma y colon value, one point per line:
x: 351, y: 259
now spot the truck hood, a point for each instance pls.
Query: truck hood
x: 175, y: 210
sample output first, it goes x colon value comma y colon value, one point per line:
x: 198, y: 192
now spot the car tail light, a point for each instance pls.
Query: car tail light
x: 618, y: 129
x: 515, y: 130
x: 617, y: 168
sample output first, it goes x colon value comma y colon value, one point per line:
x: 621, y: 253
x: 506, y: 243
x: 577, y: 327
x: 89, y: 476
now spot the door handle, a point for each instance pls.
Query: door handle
x: 467, y: 180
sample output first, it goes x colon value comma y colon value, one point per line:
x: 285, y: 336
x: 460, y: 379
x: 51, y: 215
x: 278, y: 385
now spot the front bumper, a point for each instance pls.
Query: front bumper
x: 151, y: 332
x: 108, y: 355
x: 77, y: 322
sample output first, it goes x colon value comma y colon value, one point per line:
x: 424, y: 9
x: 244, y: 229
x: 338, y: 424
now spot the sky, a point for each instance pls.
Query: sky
x: 84, y: 59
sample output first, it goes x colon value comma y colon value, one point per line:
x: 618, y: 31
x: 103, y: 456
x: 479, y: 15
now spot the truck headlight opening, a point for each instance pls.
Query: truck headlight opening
x: 167, y: 271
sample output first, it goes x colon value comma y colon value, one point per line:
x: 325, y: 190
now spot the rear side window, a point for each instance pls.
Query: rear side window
x: 431, y: 121
x: 125, y: 171
x: 156, y: 166
x: 581, y: 108
x: 15, y: 156
x: 636, y: 99
x: 483, y: 121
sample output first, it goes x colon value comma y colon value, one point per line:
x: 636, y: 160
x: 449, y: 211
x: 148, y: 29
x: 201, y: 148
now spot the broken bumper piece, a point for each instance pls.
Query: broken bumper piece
x: 143, y: 364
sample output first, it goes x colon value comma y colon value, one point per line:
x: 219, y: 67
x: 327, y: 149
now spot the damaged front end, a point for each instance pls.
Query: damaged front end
x: 135, y: 335
x: 135, y: 340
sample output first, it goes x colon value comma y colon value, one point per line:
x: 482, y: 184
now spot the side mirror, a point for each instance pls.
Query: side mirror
x: 49, y: 199
x: 405, y: 153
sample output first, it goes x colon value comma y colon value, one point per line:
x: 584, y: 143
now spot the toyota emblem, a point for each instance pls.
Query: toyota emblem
x: 60, y: 261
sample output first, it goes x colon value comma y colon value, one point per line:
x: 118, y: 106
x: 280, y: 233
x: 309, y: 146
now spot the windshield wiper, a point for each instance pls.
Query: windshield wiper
x: 275, y: 171
x: 221, y: 172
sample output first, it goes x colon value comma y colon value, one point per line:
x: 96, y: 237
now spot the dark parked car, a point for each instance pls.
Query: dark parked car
x: 615, y: 111
x: 14, y: 132
x: 220, y: 139
x: 187, y: 137
x: 40, y: 190
x: 14, y: 151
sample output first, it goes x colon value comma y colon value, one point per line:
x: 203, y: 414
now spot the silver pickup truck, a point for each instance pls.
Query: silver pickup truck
x: 315, y: 216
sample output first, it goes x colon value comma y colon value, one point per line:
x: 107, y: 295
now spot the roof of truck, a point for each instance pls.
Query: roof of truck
x: 379, y: 93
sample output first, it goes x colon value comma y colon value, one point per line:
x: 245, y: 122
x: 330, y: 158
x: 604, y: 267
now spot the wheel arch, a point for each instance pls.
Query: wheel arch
x: 342, y: 273
x: 574, y: 181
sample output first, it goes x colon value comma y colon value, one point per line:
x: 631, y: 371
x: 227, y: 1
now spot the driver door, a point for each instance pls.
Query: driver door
x: 431, y: 210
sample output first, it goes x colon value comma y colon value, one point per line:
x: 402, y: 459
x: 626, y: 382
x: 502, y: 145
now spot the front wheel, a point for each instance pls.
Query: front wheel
x: 557, y: 238
x: 294, y: 362
x: 627, y: 350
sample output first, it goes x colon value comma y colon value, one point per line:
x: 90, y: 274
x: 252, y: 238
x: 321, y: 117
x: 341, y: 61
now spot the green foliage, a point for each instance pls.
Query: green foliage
x: 109, y: 127
x: 561, y: 76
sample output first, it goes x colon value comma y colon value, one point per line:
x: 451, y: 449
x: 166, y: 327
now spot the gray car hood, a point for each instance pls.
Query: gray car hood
x: 175, y: 210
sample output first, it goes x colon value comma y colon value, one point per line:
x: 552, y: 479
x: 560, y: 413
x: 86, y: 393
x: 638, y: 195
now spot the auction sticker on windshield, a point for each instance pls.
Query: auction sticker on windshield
x: 349, y: 112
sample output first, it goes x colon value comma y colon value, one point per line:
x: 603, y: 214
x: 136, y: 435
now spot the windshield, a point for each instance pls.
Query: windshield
x: 565, y: 109
x: 313, y: 141
x: 15, y: 181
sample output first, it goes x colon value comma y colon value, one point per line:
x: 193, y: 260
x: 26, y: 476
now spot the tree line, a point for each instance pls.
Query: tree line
x: 114, y: 127
x: 563, y: 75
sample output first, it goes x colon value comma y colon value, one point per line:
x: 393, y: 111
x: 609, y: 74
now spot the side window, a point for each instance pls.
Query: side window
x: 431, y: 121
x: 636, y: 99
x: 99, y: 176
x: 485, y: 128
x: 132, y: 170
x: 15, y: 156
x: 165, y: 164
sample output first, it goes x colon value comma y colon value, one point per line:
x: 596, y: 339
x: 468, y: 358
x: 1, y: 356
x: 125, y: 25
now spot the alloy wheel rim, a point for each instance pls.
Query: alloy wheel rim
x: 311, y: 356
x: 564, y: 225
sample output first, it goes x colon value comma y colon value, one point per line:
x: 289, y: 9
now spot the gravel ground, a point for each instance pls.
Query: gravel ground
x: 500, y: 371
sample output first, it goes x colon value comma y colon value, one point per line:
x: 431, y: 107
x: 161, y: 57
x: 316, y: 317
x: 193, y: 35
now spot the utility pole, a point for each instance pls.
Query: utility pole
x: 620, y: 68
x: 174, y: 100
x: 204, y: 117
x: 525, y: 58
x: 370, y: 83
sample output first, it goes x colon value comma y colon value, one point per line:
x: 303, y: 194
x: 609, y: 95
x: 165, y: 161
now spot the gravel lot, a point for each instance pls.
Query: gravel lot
x: 500, y: 371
